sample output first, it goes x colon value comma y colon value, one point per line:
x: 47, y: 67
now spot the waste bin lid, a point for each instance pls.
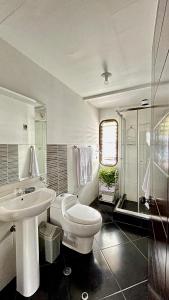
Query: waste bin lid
x: 48, y: 230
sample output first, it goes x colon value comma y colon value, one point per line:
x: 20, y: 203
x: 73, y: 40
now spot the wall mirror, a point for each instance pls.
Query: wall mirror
x: 23, y: 129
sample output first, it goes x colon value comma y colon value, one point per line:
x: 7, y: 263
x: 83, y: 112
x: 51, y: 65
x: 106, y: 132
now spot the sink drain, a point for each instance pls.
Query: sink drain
x: 85, y: 296
x: 67, y: 271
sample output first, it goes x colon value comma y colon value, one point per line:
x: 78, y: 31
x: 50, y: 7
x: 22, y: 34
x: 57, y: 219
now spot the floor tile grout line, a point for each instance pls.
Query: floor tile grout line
x: 123, y: 232
x: 132, y: 242
x: 128, y: 241
x: 134, y: 285
x: 140, y: 238
x: 123, y: 290
x: 115, y: 276
x: 106, y: 297
x: 104, y: 248
x: 123, y: 243
x: 139, y: 251
x: 124, y: 296
x: 111, y: 270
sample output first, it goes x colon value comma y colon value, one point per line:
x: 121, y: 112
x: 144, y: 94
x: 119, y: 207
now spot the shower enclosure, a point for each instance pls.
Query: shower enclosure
x: 135, y: 161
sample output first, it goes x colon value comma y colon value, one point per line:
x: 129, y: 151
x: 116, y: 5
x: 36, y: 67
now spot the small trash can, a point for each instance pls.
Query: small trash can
x: 49, y: 241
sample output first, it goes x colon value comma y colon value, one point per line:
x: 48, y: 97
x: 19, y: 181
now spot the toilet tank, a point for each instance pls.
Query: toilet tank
x: 66, y: 200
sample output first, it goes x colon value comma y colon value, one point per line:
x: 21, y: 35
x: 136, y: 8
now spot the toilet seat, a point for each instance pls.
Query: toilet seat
x: 83, y: 214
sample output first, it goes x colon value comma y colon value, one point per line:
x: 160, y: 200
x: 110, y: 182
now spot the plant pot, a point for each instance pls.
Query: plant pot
x: 106, y: 193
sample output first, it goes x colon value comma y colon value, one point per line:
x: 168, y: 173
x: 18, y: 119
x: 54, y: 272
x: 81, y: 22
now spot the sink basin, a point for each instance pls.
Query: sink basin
x: 26, y: 206
x: 23, y: 210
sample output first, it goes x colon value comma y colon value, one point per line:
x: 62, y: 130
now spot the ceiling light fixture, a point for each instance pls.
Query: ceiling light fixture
x: 106, y: 76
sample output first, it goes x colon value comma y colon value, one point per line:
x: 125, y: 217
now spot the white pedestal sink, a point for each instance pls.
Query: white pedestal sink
x: 23, y: 210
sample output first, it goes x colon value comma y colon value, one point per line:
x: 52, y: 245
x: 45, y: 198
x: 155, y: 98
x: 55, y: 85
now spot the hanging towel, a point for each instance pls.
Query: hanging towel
x: 76, y: 168
x: 33, y: 166
x: 146, y: 182
x: 89, y: 164
x: 83, y: 165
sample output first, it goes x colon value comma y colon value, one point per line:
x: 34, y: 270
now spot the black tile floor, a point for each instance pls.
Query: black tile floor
x: 115, y: 270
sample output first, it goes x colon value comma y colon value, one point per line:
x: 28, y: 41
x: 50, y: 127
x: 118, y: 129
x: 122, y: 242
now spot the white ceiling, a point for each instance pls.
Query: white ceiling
x: 72, y: 39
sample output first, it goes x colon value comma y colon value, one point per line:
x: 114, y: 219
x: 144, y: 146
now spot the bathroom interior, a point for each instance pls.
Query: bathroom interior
x: 84, y: 149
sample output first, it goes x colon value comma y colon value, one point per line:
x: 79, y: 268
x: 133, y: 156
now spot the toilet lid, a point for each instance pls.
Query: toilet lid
x: 83, y: 214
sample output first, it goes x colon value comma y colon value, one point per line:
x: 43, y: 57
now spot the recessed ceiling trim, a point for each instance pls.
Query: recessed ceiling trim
x: 19, y: 97
x: 136, y: 87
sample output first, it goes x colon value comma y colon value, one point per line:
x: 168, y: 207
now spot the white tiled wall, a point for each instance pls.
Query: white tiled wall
x: 70, y: 120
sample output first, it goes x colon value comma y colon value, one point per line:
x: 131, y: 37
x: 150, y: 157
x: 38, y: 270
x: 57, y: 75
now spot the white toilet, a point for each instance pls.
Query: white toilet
x: 79, y: 222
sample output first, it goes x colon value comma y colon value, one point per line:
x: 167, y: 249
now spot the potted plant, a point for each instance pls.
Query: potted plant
x: 108, y: 177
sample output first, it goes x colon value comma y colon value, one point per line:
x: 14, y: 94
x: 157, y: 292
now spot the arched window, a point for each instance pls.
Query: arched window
x: 108, y: 142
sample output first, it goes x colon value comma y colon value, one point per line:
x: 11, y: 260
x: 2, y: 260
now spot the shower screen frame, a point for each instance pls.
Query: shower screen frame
x: 122, y: 182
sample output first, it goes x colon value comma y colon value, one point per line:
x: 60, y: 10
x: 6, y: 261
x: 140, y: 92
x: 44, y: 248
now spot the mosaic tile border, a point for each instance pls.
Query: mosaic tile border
x: 9, y: 170
x: 57, y: 168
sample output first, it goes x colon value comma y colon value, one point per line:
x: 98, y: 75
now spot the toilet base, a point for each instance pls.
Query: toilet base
x: 82, y: 245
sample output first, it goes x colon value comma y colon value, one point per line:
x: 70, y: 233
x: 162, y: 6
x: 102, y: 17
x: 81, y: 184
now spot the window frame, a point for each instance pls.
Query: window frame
x: 100, y: 142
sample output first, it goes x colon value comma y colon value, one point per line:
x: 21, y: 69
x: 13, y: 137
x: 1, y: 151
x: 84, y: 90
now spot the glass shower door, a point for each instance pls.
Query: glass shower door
x: 129, y: 153
x: 135, y: 160
x: 144, y: 128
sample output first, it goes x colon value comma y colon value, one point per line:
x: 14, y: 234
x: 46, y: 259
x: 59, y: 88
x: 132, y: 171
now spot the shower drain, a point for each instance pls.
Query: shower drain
x: 85, y: 296
x: 67, y: 271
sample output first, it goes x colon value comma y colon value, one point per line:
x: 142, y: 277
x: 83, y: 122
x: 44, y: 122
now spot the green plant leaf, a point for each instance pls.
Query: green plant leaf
x: 108, y: 175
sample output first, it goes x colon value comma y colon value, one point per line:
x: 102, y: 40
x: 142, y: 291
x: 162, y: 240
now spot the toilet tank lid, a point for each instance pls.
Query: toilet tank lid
x: 58, y: 200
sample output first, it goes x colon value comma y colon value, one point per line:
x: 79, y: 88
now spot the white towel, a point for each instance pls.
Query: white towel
x: 33, y: 166
x: 146, y: 182
x: 85, y: 154
x: 89, y: 164
x: 76, y: 168
x: 83, y: 163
